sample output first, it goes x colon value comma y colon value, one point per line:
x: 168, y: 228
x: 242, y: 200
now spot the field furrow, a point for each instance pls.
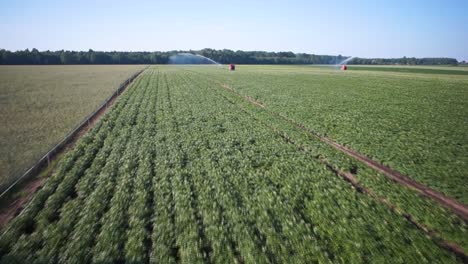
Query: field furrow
x: 181, y: 170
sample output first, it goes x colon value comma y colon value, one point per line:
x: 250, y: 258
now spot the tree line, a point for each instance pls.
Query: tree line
x: 405, y: 61
x: 225, y: 56
x: 36, y: 57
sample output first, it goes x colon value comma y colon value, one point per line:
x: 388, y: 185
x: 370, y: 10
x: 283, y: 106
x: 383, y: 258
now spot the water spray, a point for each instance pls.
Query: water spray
x: 189, y: 58
x: 346, y: 61
x: 342, y: 65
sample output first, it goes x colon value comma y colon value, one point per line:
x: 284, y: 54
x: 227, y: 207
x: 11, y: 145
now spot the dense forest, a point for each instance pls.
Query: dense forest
x: 224, y: 56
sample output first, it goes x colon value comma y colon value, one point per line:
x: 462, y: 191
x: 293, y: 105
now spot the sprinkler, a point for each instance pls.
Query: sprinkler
x: 343, y: 63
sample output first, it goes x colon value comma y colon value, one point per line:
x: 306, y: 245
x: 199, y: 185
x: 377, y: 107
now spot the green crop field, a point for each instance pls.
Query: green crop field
x: 410, y: 120
x: 450, y: 70
x: 39, y: 105
x: 194, y: 164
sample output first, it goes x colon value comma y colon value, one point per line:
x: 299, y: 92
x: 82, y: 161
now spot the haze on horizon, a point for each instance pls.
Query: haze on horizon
x: 352, y: 28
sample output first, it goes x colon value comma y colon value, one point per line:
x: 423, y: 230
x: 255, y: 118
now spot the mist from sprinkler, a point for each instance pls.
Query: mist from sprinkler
x: 189, y: 58
x: 345, y: 61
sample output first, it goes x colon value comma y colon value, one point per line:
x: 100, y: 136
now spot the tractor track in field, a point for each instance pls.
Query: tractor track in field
x: 455, y: 206
x: 452, y: 247
x: 248, y: 98
x: 351, y: 179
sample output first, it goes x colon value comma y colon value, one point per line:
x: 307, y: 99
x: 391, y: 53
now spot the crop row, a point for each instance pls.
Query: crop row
x: 426, y: 212
x: 175, y: 173
x: 414, y: 125
x: 322, y: 193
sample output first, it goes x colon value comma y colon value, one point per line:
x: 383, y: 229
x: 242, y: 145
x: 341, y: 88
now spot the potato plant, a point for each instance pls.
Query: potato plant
x: 181, y: 170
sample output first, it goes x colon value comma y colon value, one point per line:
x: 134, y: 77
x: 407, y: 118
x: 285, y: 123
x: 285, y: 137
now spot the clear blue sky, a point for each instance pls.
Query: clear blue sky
x: 367, y: 28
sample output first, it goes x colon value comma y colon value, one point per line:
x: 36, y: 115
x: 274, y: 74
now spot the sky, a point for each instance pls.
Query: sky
x: 366, y: 28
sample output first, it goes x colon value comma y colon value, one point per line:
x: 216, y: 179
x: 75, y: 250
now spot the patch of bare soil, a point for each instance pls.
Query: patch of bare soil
x: 15, y: 205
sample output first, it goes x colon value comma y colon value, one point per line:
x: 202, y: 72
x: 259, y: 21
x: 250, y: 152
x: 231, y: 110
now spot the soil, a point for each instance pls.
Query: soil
x: 15, y: 205
x: 248, y: 98
x: 455, y: 206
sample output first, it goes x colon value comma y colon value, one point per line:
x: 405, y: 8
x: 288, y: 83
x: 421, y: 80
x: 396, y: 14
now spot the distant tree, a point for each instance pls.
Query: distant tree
x: 91, y: 56
x: 223, y: 56
x: 3, y: 56
x: 66, y: 57
x: 404, y: 60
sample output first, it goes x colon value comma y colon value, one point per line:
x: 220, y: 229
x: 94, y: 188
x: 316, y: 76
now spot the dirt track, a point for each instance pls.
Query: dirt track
x: 248, y: 98
x: 350, y: 177
x: 15, y: 206
x: 457, y: 207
